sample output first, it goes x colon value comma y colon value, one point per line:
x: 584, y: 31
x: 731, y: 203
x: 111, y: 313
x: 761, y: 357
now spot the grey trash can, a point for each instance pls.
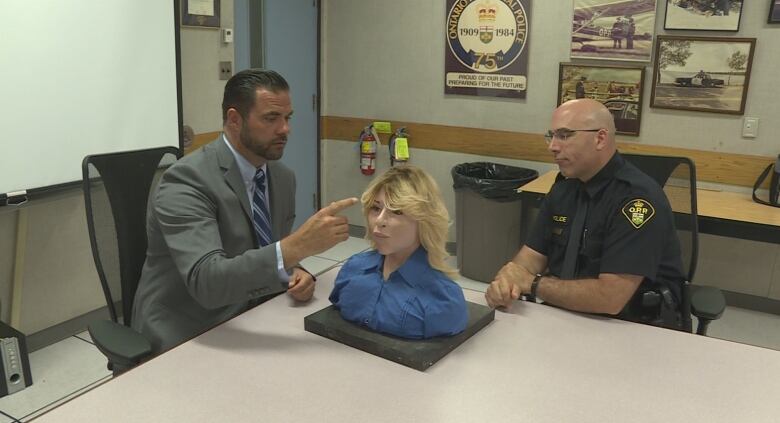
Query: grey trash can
x: 488, y: 212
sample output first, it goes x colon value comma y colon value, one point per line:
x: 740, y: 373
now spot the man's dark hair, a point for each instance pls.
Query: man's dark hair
x: 240, y: 90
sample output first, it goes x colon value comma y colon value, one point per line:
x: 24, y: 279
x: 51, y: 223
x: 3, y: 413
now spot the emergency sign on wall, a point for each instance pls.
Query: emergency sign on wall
x: 486, y: 53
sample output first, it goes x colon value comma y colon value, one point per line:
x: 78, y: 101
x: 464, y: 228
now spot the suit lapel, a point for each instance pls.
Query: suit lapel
x: 232, y: 175
x: 275, y: 188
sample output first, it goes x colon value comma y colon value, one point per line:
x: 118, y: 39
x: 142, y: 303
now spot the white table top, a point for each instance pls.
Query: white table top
x: 532, y: 364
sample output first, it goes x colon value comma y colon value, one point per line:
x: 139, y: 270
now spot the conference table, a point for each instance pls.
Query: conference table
x: 533, y: 363
x: 723, y: 213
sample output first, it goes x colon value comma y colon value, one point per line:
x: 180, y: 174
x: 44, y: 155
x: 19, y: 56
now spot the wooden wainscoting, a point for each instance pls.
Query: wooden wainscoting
x: 201, y: 140
x: 731, y: 169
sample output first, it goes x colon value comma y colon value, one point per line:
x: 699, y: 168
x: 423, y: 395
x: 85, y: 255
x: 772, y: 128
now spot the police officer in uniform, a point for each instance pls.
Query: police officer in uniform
x: 605, y: 233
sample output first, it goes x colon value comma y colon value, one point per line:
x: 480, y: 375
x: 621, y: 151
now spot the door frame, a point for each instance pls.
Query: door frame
x: 257, y: 59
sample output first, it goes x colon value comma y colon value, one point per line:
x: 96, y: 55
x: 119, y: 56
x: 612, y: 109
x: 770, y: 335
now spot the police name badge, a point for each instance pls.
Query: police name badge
x: 638, y: 212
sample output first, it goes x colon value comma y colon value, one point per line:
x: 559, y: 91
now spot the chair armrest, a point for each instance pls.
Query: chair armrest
x: 120, y: 344
x: 707, y: 302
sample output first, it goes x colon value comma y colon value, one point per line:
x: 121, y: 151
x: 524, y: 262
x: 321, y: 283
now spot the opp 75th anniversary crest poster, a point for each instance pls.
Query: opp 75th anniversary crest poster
x: 487, y: 47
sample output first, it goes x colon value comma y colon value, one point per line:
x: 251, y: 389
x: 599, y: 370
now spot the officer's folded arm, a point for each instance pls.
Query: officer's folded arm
x: 607, y: 294
x: 533, y: 261
x: 515, y: 278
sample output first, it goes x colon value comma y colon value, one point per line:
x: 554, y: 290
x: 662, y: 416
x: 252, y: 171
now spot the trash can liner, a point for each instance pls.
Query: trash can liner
x: 492, y: 180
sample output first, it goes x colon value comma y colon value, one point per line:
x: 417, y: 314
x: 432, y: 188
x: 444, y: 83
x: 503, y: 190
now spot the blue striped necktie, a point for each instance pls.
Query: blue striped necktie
x: 261, y: 219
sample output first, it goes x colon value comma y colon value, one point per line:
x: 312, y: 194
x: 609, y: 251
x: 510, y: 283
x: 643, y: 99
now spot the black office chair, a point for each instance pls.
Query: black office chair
x: 677, y: 176
x: 116, y: 192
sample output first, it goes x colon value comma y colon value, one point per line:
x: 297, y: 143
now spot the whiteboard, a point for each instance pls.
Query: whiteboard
x: 83, y: 77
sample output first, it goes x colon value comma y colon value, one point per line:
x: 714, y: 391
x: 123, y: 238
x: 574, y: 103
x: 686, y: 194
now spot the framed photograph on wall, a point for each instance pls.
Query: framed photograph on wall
x: 706, y: 74
x: 617, y: 87
x: 613, y: 30
x: 774, y: 11
x: 201, y: 13
x: 703, y: 15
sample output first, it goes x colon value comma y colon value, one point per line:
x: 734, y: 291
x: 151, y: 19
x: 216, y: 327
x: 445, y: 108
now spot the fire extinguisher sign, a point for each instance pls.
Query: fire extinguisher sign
x: 486, y: 53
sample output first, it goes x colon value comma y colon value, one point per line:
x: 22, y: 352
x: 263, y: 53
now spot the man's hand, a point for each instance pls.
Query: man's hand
x: 301, y: 286
x: 319, y: 233
x: 511, y: 281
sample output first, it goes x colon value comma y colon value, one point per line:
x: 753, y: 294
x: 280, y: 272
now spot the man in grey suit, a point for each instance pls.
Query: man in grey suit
x: 212, y: 251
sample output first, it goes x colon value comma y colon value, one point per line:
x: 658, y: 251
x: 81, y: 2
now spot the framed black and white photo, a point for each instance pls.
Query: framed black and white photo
x: 774, y: 11
x: 707, y: 74
x: 613, y: 30
x: 619, y: 88
x: 703, y: 15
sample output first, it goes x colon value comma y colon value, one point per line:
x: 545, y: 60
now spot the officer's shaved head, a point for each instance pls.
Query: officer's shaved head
x: 592, y: 141
x: 590, y: 113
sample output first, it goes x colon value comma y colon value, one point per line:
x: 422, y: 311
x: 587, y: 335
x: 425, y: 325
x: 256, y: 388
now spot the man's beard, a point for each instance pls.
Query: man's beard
x: 262, y: 150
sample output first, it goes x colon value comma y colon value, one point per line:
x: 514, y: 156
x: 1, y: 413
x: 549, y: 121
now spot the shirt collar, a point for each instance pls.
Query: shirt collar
x: 415, y: 267
x: 246, y: 169
x: 413, y: 270
x: 602, y: 178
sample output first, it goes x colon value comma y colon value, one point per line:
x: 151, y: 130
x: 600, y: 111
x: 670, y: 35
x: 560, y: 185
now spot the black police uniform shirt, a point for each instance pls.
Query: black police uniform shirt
x: 629, y: 228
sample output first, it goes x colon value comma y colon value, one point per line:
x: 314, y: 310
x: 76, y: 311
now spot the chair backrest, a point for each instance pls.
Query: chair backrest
x: 677, y: 177
x: 117, y: 187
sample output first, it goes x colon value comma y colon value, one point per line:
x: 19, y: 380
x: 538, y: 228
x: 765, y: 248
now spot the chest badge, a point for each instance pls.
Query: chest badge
x: 560, y: 219
x: 638, y: 212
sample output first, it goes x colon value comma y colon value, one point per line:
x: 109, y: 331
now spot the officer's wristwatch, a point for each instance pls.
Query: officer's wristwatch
x: 535, y: 285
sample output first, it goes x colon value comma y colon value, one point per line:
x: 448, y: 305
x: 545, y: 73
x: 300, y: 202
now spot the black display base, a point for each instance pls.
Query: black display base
x: 418, y: 354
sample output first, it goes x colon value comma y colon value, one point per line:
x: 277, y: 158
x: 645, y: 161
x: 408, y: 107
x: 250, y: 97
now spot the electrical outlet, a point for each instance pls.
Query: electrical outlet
x: 225, y: 70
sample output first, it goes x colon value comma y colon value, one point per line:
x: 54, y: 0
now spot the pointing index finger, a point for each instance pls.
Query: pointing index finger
x: 337, y: 206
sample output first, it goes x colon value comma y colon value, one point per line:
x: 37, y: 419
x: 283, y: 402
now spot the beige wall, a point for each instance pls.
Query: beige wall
x: 57, y: 273
x: 385, y: 60
x: 59, y: 281
x: 8, y: 220
x: 201, y: 52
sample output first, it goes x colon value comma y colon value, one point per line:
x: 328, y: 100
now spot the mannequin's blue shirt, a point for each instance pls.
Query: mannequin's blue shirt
x: 417, y: 301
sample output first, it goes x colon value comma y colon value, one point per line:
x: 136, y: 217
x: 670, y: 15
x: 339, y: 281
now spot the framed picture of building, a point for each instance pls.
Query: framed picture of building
x: 619, y: 88
x: 613, y: 29
x: 707, y: 74
x: 703, y: 15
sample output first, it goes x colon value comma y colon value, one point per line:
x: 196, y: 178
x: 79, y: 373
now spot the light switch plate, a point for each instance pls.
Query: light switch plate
x: 750, y: 127
x: 227, y: 35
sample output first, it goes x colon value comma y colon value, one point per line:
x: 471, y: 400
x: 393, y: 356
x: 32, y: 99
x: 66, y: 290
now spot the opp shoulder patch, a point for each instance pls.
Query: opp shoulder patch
x: 638, y: 211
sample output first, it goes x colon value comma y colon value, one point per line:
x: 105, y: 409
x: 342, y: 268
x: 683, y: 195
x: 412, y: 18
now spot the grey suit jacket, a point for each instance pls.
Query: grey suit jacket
x: 203, y: 264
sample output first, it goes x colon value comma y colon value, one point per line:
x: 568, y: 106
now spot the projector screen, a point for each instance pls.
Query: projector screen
x: 83, y: 77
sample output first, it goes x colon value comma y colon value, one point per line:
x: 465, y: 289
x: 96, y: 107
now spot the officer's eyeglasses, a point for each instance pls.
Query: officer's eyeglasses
x: 563, y: 134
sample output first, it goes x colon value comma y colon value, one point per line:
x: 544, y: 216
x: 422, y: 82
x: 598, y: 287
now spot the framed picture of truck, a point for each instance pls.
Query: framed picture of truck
x: 617, y: 87
x: 703, y: 15
x: 706, y: 74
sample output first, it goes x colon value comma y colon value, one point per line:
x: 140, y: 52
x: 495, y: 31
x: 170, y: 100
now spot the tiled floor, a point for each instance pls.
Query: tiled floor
x: 59, y: 372
x: 74, y: 365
